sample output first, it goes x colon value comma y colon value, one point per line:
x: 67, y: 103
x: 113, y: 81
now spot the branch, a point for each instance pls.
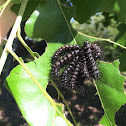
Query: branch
x: 12, y: 34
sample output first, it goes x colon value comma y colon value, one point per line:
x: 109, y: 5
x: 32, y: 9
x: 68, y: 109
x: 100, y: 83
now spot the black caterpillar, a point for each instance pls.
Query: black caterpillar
x: 73, y: 65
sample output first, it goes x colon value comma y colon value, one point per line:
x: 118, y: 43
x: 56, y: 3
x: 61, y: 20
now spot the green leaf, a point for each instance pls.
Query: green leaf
x: 122, y: 59
x: 51, y: 22
x: 16, y: 1
x: 59, y: 121
x: 121, y: 37
x: 34, y: 106
x: 86, y: 8
x: 116, y: 63
x: 110, y: 91
x: 48, y: 22
x: 31, y: 6
x: 43, y: 2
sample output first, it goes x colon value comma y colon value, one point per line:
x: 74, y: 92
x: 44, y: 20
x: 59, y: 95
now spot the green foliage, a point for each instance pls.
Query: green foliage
x: 85, y: 9
x: 51, y: 21
x: 48, y: 22
x: 31, y: 6
x: 110, y: 91
x: 122, y: 58
x: 121, y: 37
x: 16, y: 1
x: 35, y: 107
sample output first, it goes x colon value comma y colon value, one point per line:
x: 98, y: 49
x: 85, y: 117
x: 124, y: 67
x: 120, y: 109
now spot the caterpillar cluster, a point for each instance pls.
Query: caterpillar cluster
x: 73, y: 65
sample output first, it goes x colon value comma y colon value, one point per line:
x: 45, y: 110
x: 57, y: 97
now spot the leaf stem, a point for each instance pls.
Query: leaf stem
x: 101, y: 101
x: 66, y: 21
x: 12, y: 34
x: 64, y: 101
x: 24, y: 44
x: 102, y: 39
x: 2, y: 8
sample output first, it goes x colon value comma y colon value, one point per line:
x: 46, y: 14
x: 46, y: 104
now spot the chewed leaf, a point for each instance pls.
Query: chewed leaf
x: 116, y: 63
x: 110, y: 91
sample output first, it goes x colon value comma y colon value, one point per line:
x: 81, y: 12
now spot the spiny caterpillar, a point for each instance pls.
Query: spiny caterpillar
x: 72, y: 65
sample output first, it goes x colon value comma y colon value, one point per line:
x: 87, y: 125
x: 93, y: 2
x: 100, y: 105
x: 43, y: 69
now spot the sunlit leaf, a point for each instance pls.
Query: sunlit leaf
x: 110, y: 91
x: 34, y: 106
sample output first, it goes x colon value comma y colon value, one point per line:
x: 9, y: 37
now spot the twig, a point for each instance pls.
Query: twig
x: 102, y: 39
x: 12, y: 34
x: 61, y: 95
x: 2, y: 8
x: 24, y: 44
